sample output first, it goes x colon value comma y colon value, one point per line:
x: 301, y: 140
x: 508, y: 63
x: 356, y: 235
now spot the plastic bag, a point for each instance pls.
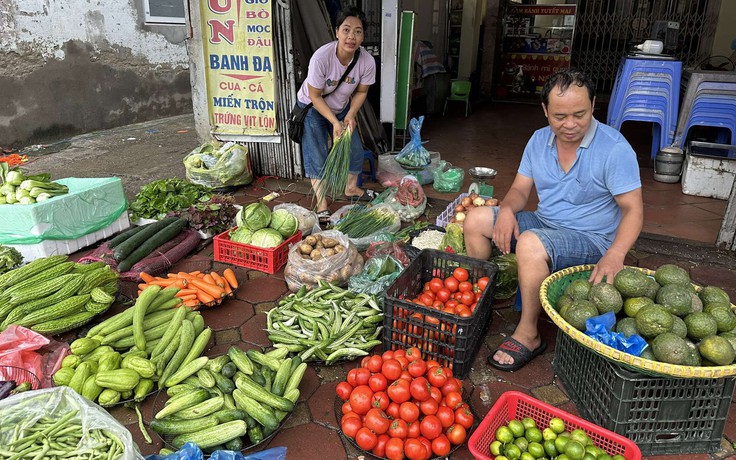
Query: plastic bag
x: 448, y: 178
x: 308, y: 220
x: 387, y: 248
x: 385, y: 234
x: 507, y: 278
x: 414, y: 155
x: 600, y: 328
x: 21, y: 347
x: 377, y: 275
x: 407, y: 213
x: 454, y: 240
x: 336, y: 269
x: 215, y: 167
x: 55, y: 403
x: 191, y: 451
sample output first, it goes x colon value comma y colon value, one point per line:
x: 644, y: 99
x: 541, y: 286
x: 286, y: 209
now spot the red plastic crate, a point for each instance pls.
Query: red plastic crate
x: 516, y: 405
x: 268, y: 260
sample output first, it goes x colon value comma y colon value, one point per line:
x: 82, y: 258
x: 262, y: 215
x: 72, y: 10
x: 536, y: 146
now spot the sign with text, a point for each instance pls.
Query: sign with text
x: 237, y: 43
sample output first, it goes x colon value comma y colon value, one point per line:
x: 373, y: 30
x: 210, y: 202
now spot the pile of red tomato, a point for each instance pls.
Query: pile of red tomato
x: 397, y: 405
x: 455, y: 294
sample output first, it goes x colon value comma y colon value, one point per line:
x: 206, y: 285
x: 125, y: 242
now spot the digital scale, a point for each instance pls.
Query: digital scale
x: 481, y: 175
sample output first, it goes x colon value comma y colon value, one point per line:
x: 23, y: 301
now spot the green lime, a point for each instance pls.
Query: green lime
x: 593, y: 450
x: 534, y: 435
x: 574, y: 450
x: 496, y: 448
x: 619, y: 457
x: 517, y: 428
x: 580, y: 436
x: 589, y: 456
x: 604, y: 457
x: 536, y: 450
x: 564, y: 434
x: 504, y: 434
x: 529, y: 422
x: 560, y: 457
x: 521, y: 443
x: 501, y: 457
x: 557, y: 425
x: 560, y: 443
x: 527, y: 456
x: 548, y: 433
x: 550, y: 449
x: 512, y: 451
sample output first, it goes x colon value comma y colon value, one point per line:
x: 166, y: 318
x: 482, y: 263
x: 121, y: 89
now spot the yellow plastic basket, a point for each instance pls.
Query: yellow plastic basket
x: 554, y: 286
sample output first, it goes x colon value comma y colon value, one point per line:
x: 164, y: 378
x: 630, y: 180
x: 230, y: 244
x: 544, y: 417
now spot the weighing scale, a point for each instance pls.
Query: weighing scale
x: 481, y: 175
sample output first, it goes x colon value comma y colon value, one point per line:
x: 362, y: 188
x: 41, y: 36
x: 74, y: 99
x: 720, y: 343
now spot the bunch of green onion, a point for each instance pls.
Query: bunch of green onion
x: 335, y: 172
x: 360, y: 221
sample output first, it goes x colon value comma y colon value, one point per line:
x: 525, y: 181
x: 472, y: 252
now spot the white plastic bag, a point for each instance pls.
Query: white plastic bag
x: 363, y: 243
x: 308, y: 220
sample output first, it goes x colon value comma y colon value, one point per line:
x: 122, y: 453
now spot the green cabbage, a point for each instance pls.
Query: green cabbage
x: 241, y: 235
x: 266, y: 238
x: 255, y: 216
x: 285, y: 223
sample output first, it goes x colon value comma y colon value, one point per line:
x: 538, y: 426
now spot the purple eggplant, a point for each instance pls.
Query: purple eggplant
x: 6, y: 387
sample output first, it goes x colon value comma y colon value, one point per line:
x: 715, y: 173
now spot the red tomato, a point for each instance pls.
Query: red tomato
x: 436, y: 394
x: 429, y: 407
x: 414, y: 430
x: 426, y: 299
x: 399, y: 352
x: 464, y: 417
x: 380, y: 449
x: 374, y: 363
x: 395, y: 449
x: 453, y: 400
x: 465, y: 286
x: 409, y: 411
x: 430, y: 427
x: 456, y: 434
x: 450, y: 385
x: 350, y: 426
x: 414, y: 449
x: 388, y: 354
x: 377, y: 382
x: 380, y: 400
x: 468, y: 298
x: 457, y: 296
x: 351, y: 377
x: 441, y: 445
x: 431, y: 363
x: 377, y: 421
x: 417, y: 368
x: 419, y: 389
x: 443, y: 295
x: 360, y: 399
x: 399, y: 391
x: 343, y: 390
x: 446, y: 416
x: 393, y: 410
x: 451, y: 284
x: 362, y: 375
x: 364, y: 361
x: 437, y: 305
x: 460, y: 274
x: 452, y: 303
x: 398, y: 429
x: 366, y: 439
x: 463, y: 312
x: 391, y: 369
x: 427, y: 446
x: 437, y: 376
x: 435, y: 284
x: 346, y: 407
x: 352, y: 414
x: 403, y: 360
x: 483, y: 282
x: 426, y: 287
x: 405, y: 375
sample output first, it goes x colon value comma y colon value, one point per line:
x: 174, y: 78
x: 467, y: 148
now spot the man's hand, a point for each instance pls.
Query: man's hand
x: 504, y: 229
x: 610, y: 264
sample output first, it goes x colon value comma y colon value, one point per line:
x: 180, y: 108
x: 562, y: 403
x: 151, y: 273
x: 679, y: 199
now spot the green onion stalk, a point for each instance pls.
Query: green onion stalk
x: 360, y: 221
x: 335, y: 172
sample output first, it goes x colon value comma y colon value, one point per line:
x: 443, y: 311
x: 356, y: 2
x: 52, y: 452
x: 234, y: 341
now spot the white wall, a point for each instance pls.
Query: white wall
x: 726, y: 30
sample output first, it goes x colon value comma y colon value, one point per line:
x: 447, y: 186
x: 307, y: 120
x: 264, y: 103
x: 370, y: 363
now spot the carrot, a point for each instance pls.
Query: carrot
x: 146, y: 277
x: 204, y: 297
x: 227, y: 287
x: 215, y: 291
x: 185, y: 275
x: 229, y: 275
x: 209, y: 279
x: 191, y: 303
x: 188, y: 297
x: 218, y: 279
x: 196, y: 273
x: 142, y: 286
x: 180, y: 283
x: 186, y: 291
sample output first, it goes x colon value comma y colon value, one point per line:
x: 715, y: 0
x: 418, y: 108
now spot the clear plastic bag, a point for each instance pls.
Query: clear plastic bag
x: 384, y: 248
x: 308, y: 220
x: 406, y: 213
x: 377, y: 275
x: 336, y: 269
x: 447, y: 178
x: 507, y: 278
x: 215, y: 167
x: 55, y: 403
x: 414, y: 155
x: 362, y: 243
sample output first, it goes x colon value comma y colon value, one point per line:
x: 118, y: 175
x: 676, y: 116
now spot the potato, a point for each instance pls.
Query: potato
x: 319, y: 245
x: 306, y: 256
x: 316, y: 254
x: 329, y: 242
x: 339, y: 248
x: 346, y: 271
x: 329, y: 252
x: 310, y: 240
x: 305, y: 248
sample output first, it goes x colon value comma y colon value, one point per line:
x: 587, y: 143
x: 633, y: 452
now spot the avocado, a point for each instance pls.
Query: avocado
x: 731, y: 337
x: 562, y: 301
x: 652, y: 288
x: 714, y: 294
x: 578, y: 289
x: 579, y: 312
x: 632, y: 305
x: 709, y: 306
x: 697, y: 304
x: 693, y: 356
x: 700, y: 325
x: 676, y: 298
x: 678, y: 327
x: 671, y: 274
x: 606, y: 298
x: 648, y: 354
x: 669, y: 348
x: 717, y: 350
x: 631, y: 282
x: 627, y: 327
x: 724, y: 316
x: 653, y: 320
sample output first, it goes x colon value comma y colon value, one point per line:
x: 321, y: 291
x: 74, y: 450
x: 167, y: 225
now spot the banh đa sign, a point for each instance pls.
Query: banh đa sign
x: 237, y: 43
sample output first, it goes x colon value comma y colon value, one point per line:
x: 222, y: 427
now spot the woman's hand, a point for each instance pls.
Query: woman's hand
x: 350, y: 121
x: 336, y: 129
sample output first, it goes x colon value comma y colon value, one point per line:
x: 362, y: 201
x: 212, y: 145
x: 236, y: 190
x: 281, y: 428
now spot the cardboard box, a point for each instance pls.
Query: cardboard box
x: 708, y: 170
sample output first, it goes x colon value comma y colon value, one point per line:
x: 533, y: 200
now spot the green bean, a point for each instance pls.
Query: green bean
x: 345, y: 353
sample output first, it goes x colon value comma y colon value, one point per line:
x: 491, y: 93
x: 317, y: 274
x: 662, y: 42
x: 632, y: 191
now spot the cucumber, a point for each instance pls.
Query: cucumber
x: 228, y: 415
x: 203, y: 409
x: 223, y: 383
x: 205, y: 378
x: 169, y: 425
x: 149, y: 245
x: 229, y: 370
x: 255, y: 434
x: 282, y: 376
x: 120, y: 237
x: 261, y: 413
x: 183, y: 402
x: 124, y: 249
x: 260, y: 394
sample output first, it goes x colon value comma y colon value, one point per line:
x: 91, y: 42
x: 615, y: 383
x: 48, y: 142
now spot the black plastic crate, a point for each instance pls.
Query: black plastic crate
x: 662, y: 415
x: 449, y: 339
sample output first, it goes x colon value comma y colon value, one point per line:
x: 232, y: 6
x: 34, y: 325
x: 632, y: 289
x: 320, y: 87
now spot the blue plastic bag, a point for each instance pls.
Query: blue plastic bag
x: 414, y: 155
x: 600, y: 329
x: 191, y: 451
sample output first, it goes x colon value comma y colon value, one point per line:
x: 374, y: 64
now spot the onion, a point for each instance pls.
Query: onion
x: 492, y: 202
x: 467, y: 201
x: 473, y: 196
x: 459, y: 208
x: 478, y: 201
x: 459, y: 217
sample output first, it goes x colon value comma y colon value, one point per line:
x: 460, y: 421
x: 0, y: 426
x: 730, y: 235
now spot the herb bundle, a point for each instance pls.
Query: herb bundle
x: 359, y: 221
x: 335, y: 172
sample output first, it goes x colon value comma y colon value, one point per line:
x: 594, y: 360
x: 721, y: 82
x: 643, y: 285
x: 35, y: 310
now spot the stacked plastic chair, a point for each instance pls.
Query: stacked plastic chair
x: 647, y: 90
x: 712, y: 104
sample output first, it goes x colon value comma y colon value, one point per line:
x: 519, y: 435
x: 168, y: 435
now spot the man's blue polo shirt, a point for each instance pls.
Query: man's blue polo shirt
x: 583, y: 198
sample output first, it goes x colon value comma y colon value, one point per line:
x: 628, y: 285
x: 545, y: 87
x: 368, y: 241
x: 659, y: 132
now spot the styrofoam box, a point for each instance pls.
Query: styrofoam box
x: 709, y: 176
x: 52, y: 247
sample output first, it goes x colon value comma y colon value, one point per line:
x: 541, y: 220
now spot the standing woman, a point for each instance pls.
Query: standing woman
x: 329, y: 116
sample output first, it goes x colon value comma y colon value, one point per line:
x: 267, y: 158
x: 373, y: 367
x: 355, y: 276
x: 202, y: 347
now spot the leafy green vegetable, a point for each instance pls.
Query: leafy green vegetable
x: 454, y: 239
x: 285, y: 223
x: 266, y: 238
x: 255, y: 216
x: 214, y: 216
x: 158, y: 198
x: 9, y: 258
x: 241, y: 235
x: 507, y: 278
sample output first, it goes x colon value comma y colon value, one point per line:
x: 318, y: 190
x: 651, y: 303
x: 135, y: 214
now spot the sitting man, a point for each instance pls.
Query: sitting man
x: 590, y: 206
